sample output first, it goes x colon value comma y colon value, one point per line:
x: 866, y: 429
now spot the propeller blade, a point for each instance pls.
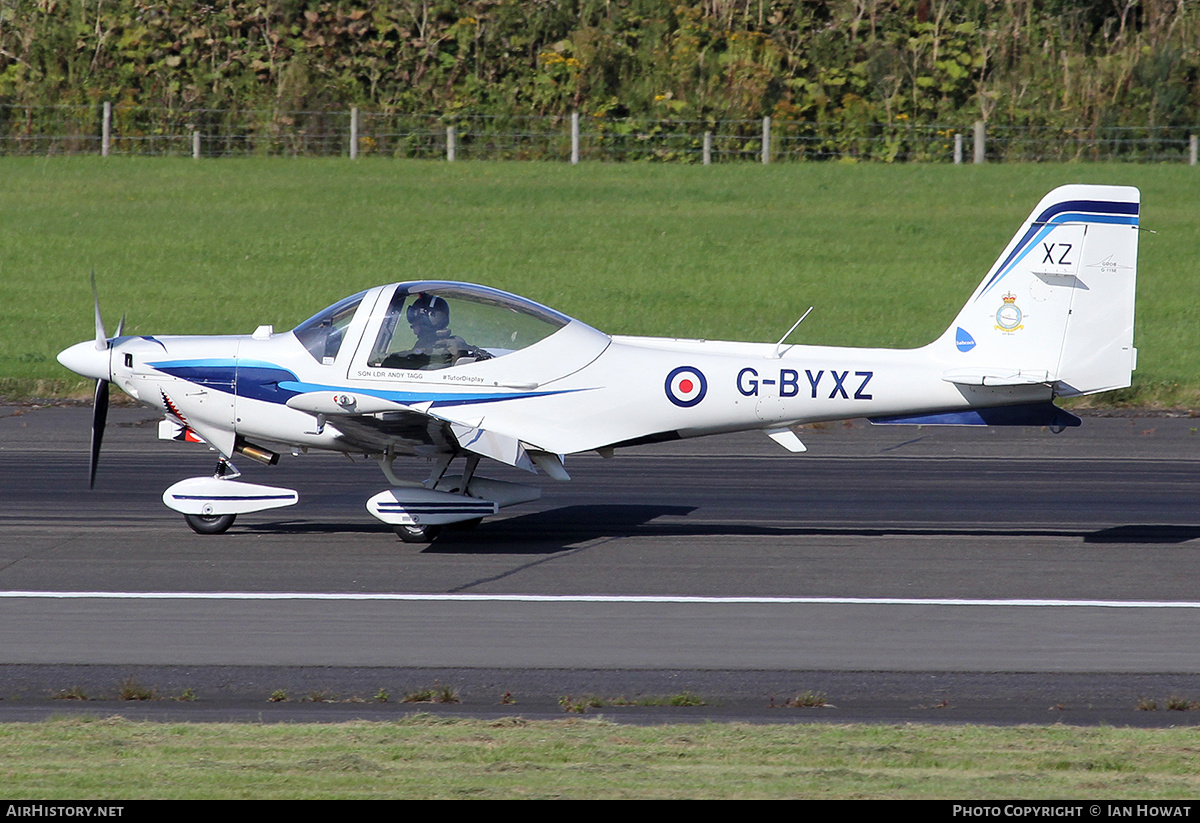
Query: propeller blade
x: 101, y: 337
x: 120, y: 326
x: 99, y: 419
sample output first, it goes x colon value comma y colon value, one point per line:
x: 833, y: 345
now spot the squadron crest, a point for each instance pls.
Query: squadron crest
x: 1009, y: 315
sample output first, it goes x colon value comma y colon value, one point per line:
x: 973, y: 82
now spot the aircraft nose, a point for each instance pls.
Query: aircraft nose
x: 86, y: 360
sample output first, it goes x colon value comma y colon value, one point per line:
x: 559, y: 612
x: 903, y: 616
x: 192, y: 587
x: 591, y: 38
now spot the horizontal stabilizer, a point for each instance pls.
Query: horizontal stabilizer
x: 1034, y: 414
x: 996, y: 377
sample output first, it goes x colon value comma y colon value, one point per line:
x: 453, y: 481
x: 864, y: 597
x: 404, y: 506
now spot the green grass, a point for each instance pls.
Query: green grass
x: 428, y: 757
x: 887, y: 254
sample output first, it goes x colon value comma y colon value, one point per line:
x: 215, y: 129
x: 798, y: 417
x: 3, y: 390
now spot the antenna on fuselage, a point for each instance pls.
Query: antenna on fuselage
x: 779, y: 345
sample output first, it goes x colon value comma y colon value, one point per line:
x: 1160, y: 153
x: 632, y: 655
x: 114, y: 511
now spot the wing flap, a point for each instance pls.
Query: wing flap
x: 492, y: 444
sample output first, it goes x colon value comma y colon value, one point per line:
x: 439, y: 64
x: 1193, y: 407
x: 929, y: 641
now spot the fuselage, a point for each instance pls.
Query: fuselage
x: 573, y: 389
x: 445, y: 369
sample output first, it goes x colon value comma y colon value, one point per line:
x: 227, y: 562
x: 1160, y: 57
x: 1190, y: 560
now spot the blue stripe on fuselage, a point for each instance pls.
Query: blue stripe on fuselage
x: 252, y: 379
x: 259, y: 380
x: 409, y: 398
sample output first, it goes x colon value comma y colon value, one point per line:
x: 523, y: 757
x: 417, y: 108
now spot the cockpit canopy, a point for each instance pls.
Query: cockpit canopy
x: 433, y: 325
x: 322, y: 333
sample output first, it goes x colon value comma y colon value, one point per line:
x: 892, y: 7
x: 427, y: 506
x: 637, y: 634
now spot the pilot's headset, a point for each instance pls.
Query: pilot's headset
x: 429, y: 310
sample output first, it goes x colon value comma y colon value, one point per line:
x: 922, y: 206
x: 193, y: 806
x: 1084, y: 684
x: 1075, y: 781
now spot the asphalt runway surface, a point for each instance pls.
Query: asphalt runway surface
x: 906, y: 574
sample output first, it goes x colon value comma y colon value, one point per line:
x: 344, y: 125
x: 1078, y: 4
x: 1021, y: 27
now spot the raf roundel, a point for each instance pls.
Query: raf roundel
x: 686, y: 386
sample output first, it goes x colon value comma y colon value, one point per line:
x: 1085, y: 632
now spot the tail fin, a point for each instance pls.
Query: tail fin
x: 1057, y: 306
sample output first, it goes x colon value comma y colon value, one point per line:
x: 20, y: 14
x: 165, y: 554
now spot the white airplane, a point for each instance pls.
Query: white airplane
x: 446, y: 370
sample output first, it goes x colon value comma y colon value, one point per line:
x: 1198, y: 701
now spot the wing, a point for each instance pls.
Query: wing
x: 379, y: 424
x: 375, y: 424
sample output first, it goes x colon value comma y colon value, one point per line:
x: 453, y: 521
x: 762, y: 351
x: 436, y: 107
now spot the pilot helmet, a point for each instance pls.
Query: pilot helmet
x: 429, y: 310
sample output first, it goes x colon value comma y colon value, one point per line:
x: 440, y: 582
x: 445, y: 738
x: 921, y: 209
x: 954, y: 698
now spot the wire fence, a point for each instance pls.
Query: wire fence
x: 121, y: 129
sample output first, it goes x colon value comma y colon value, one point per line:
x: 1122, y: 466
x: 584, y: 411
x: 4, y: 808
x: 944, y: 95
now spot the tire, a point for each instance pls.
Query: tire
x: 417, y: 534
x: 210, y: 523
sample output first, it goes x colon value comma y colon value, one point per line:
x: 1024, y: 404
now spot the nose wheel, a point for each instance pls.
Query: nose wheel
x: 417, y: 534
x: 209, y: 523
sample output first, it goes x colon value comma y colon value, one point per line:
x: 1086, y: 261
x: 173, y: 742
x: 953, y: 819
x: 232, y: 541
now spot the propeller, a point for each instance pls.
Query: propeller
x: 91, y: 359
x: 99, y: 419
x: 100, y: 395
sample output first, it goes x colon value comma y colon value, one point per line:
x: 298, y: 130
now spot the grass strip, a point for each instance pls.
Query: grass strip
x: 422, y: 756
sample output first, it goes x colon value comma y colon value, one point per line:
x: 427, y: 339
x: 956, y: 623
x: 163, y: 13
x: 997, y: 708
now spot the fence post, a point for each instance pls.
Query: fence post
x: 708, y: 148
x: 354, y: 132
x: 106, y: 130
x: 196, y: 145
x: 980, y: 147
x: 451, y: 143
x: 574, y: 138
x: 1193, y: 149
x: 766, y: 140
x: 958, y: 141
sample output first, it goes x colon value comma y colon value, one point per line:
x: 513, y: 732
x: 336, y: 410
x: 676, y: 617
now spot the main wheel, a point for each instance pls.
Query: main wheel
x: 417, y: 534
x: 210, y: 523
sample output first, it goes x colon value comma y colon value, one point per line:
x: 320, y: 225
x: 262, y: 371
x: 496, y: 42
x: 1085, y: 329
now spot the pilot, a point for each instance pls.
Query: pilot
x: 436, y: 346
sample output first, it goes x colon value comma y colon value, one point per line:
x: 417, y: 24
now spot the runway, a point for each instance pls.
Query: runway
x: 1001, y: 571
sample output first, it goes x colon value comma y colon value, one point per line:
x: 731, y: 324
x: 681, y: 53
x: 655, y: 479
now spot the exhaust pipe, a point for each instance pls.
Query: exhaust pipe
x: 257, y: 453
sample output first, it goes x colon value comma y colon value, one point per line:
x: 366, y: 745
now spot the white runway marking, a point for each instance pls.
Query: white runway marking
x: 568, y: 598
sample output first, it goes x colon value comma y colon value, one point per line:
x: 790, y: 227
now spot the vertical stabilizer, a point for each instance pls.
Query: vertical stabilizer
x: 1057, y: 306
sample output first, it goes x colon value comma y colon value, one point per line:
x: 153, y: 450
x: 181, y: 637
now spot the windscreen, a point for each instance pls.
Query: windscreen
x: 322, y: 333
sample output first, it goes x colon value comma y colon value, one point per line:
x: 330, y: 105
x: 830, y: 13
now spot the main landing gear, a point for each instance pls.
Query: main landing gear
x: 417, y: 512
x: 411, y: 533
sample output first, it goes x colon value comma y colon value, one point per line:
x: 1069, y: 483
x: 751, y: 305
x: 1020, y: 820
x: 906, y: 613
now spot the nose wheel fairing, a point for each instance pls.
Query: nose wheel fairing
x: 215, y: 496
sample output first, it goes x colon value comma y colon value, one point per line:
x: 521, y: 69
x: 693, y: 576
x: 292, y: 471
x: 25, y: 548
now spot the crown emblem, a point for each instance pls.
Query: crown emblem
x: 1009, y: 315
